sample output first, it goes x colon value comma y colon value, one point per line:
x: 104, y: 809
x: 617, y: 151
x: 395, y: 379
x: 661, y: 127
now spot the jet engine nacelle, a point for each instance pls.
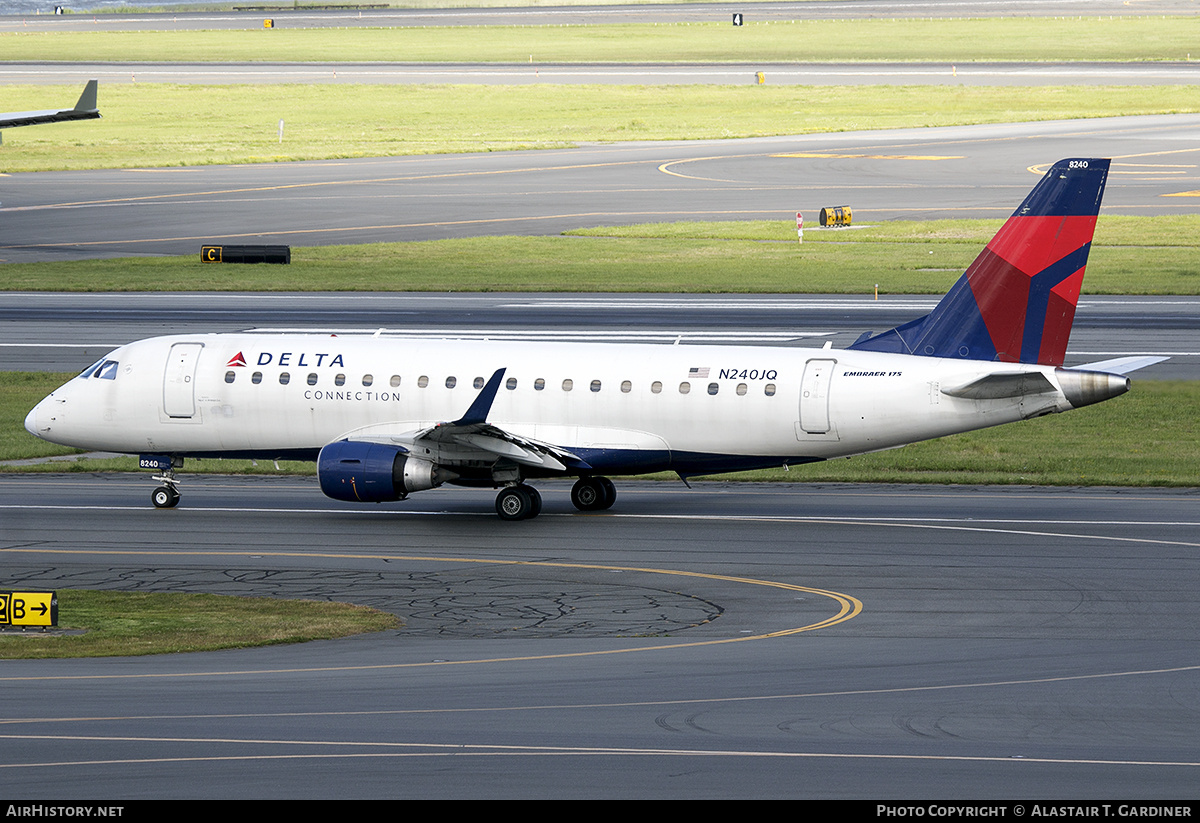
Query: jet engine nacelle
x: 373, y: 472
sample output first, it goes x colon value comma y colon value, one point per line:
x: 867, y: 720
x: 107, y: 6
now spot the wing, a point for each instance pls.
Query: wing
x: 472, y: 438
x: 85, y: 109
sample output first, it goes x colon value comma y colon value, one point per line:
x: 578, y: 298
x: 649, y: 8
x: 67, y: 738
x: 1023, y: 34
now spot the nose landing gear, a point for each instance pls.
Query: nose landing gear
x: 165, y: 496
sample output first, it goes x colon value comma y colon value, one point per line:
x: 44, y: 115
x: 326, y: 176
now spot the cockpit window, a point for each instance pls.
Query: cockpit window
x: 90, y: 370
x: 103, y: 369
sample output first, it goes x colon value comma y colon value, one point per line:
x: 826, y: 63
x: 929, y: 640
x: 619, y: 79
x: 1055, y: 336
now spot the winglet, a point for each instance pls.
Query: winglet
x: 483, y: 403
x: 87, y: 100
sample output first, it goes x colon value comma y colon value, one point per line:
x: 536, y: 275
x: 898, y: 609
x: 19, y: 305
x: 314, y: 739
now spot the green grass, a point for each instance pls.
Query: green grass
x: 1131, y: 255
x: 957, y: 41
x: 121, y: 624
x: 1149, y: 437
x: 1112, y: 231
x: 141, y: 127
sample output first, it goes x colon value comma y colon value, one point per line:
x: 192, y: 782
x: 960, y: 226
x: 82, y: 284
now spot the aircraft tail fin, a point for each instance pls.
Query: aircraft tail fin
x: 1016, y: 302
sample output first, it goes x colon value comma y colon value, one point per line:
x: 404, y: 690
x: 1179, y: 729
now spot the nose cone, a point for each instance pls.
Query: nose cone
x: 31, y: 420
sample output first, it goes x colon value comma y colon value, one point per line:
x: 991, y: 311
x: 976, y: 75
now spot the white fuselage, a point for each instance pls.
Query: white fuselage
x: 625, y: 408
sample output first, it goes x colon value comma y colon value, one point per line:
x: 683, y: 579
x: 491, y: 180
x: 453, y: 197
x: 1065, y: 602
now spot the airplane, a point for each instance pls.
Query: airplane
x: 85, y: 109
x: 385, y: 418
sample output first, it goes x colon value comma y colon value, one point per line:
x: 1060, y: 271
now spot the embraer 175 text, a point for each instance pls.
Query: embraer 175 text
x: 385, y: 418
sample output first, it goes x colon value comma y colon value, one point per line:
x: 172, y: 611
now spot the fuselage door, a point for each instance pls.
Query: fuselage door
x: 814, y: 397
x: 179, y: 380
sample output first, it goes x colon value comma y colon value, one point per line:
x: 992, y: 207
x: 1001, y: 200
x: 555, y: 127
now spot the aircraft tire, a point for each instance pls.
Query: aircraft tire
x: 165, y: 497
x: 592, y: 494
x: 610, y: 492
x: 535, y: 499
x: 516, y: 503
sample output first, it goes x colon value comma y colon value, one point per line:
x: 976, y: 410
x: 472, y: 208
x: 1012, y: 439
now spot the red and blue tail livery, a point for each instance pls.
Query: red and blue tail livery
x: 1016, y: 302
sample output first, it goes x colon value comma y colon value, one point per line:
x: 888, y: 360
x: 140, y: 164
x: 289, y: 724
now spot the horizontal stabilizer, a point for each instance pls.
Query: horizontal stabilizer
x: 1123, y: 365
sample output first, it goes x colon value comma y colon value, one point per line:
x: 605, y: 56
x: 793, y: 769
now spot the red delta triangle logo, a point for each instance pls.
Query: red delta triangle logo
x: 236, y: 360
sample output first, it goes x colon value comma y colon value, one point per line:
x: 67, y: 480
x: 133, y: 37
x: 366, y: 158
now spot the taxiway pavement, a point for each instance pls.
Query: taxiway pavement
x: 965, y: 171
x: 727, y: 641
x: 19, y: 19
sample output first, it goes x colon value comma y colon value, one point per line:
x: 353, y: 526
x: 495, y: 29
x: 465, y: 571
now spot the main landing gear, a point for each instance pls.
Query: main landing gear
x: 518, y: 502
x: 522, y: 502
x: 593, y: 494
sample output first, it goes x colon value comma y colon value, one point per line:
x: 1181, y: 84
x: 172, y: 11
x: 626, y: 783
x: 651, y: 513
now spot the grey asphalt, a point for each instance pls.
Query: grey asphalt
x: 1012, y: 643
x: 22, y: 15
x: 963, y: 171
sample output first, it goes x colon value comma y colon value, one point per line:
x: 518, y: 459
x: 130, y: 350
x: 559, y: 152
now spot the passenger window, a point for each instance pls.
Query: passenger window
x: 256, y: 378
x: 769, y: 390
x: 595, y: 385
x: 626, y: 386
x: 656, y: 386
x: 368, y: 379
x: 284, y: 378
x: 539, y: 384
x: 685, y: 387
x: 741, y: 389
x: 229, y: 376
x: 423, y: 381
x: 312, y: 378
x: 713, y: 388
x: 339, y: 380
x: 395, y: 381
x: 451, y: 382
x: 478, y: 382
x: 511, y: 383
x: 568, y: 384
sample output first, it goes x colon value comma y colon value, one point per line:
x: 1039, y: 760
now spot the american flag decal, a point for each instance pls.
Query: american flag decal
x: 698, y: 372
